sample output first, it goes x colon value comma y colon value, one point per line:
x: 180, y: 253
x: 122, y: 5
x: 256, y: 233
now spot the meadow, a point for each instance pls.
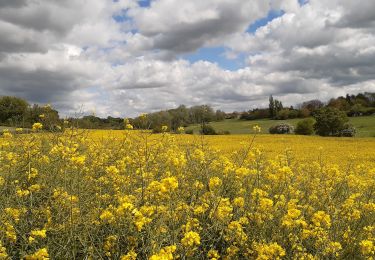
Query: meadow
x: 365, y: 125
x: 134, y: 195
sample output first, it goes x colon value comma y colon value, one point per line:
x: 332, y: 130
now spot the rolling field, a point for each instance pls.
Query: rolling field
x: 338, y: 150
x: 365, y: 125
x: 132, y: 195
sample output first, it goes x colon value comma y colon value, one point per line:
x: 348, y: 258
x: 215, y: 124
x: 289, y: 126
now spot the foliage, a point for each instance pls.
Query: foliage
x: 44, y: 114
x: 17, y: 112
x: 348, y: 131
x: 305, y: 127
x: 329, y: 121
x: 311, y: 106
x: 207, y: 129
x: 287, y: 113
x: 274, y: 106
x: 181, y: 116
x: 255, y: 114
x: 12, y: 109
x: 189, y: 131
x: 281, y: 128
x: 139, y: 196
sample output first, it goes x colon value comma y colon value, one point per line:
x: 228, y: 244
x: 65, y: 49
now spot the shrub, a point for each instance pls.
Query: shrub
x: 329, y: 121
x: 348, y: 131
x: 189, y: 131
x: 305, y: 127
x: 160, y: 129
x: 157, y: 130
x: 207, y: 130
x: 281, y: 128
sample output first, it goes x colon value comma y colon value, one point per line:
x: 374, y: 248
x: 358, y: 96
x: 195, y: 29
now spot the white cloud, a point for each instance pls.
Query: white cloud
x: 72, y: 53
x: 184, y: 26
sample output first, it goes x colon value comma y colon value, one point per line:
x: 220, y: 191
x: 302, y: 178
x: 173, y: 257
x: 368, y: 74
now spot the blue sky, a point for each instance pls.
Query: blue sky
x: 144, y: 3
x: 217, y: 54
x: 138, y: 63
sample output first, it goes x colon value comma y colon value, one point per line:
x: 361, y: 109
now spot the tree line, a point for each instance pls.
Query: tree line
x: 352, y: 105
x: 17, y: 112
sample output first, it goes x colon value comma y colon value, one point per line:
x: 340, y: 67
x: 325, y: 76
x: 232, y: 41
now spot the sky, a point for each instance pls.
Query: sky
x: 126, y: 57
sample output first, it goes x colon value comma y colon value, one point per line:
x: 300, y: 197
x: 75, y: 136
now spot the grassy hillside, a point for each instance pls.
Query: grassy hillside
x: 365, y: 125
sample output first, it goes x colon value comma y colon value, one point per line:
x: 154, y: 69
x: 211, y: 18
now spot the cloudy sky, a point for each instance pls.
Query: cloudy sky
x: 125, y: 57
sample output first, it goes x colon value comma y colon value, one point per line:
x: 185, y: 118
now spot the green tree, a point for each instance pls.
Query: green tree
x: 12, y: 109
x: 305, y: 127
x: 274, y: 106
x: 329, y: 121
x: 271, y: 107
x: 44, y: 114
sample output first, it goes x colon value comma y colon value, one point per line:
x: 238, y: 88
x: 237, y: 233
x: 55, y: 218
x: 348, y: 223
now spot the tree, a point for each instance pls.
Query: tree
x: 305, y: 127
x: 180, y: 117
x: 12, y: 109
x: 271, y: 107
x: 340, y: 103
x: 201, y: 114
x: 329, y: 121
x: 219, y: 115
x: 207, y: 129
x: 278, y: 105
x: 312, y: 105
x: 274, y: 106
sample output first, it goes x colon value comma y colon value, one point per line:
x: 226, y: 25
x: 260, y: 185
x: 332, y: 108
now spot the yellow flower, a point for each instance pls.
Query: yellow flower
x: 213, y: 254
x: 139, y: 219
x: 321, y: 219
x: 13, y: 213
x: 10, y: 232
x: 35, y: 188
x: 41, y: 254
x: 129, y: 256
x: 112, y: 170
x: 165, y: 253
x: 214, y: 183
x: 224, y: 210
x: 191, y: 239
x: 128, y: 126
x: 180, y: 129
x: 107, y: 216
x: 257, y: 128
x: 37, y: 126
x: 22, y: 193
x: 239, y: 202
x: 332, y: 248
x: 39, y: 233
x: 170, y: 183
x: 269, y: 251
x: 109, y: 244
x: 367, y: 247
x: 3, y: 252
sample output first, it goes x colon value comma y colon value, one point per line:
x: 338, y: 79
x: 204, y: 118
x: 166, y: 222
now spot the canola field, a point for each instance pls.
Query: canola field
x: 132, y: 195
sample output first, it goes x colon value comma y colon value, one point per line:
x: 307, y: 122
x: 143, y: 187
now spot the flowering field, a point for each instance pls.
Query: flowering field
x: 131, y: 195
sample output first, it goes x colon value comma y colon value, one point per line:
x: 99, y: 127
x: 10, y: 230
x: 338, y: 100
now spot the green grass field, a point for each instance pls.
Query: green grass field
x: 365, y: 125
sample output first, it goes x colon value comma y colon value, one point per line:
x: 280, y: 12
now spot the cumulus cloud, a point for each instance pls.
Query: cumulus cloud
x: 118, y: 58
x: 184, y: 26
